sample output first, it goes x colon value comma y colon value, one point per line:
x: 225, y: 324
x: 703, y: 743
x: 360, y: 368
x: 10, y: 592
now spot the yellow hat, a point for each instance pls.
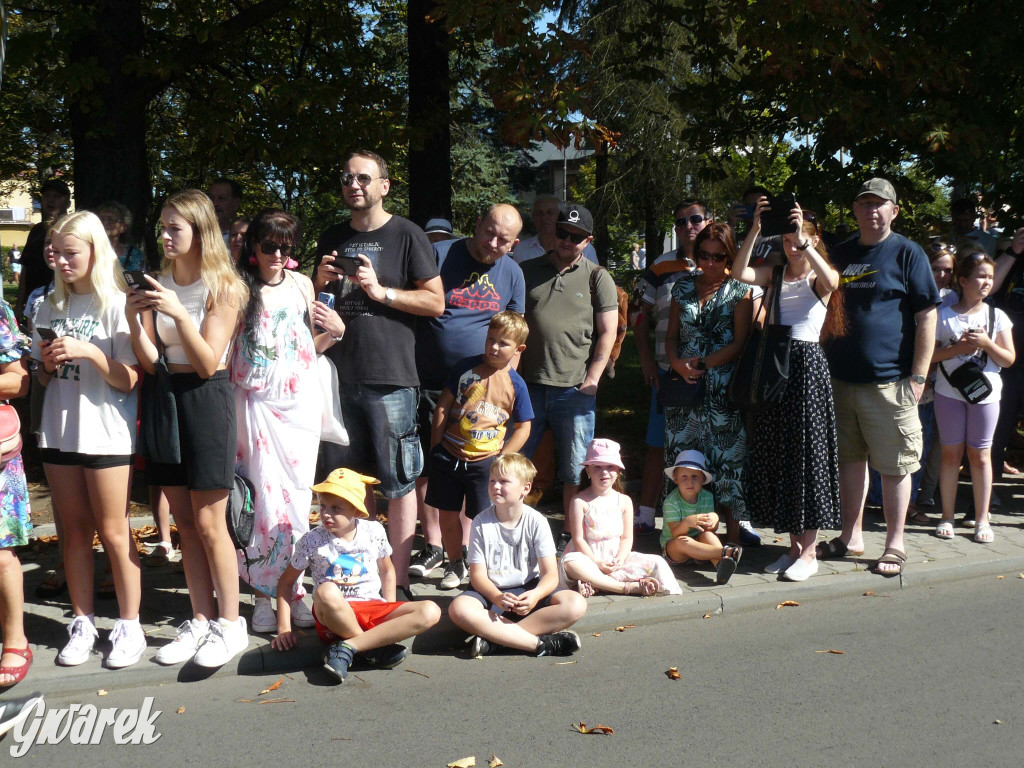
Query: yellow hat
x: 348, y: 485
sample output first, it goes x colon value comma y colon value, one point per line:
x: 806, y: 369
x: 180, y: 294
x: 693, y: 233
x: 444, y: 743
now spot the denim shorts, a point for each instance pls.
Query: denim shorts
x: 569, y: 414
x: 383, y: 439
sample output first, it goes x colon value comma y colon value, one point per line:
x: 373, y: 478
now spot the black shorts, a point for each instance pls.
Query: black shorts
x: 453, y: 480
x: 206, y: 431
x: 85, y: 460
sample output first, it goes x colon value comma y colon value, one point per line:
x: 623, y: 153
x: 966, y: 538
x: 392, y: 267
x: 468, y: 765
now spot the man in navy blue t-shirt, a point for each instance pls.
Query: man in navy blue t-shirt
x: 878, y: 370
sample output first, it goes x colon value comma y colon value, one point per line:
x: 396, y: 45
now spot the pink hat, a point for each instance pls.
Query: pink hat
x: 602, y: 451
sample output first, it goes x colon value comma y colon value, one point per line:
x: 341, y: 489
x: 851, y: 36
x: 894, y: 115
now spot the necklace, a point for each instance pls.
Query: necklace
x: 87, y: 313
x: 274, y: 285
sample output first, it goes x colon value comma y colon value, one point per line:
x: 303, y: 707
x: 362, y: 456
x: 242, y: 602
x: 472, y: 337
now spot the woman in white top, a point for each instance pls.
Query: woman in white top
x: 196, y: 301
x: 87, y: 429
x: 969, y: 332
x: 792, y: 472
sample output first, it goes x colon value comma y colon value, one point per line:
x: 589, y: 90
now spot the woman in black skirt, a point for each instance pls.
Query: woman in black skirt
x: 792, y: 470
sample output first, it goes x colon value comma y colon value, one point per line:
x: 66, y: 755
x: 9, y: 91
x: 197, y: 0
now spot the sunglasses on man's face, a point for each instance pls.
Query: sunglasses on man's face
x: 269, y: 248
x: 362, y: 179
x: 694, y: 220
x: 703, y: 255
x: 573, y: 237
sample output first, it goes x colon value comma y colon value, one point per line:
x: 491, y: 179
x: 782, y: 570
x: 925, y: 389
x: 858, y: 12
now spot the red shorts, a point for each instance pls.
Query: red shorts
x: 369, y: 613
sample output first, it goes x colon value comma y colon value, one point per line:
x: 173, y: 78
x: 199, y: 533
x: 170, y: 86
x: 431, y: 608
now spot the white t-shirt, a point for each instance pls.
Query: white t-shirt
x: 948, y: 330
x: 352, y: 565
x: 512, y: 555
x: 82, y: 413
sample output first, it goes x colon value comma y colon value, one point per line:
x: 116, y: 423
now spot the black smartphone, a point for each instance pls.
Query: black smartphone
x: 48, y: 334
x: 348, y: 264
x: 324, y: 298
x: 136, y: 278
x: 776, y: 221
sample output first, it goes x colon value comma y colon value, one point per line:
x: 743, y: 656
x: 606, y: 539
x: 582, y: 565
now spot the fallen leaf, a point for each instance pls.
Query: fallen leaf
x: 561, y: 663
x: 582, y: 728
x: 997, y: 722
x: 101, y: 692
x: 245, y: 701
x: 706, y: 616
x: 274, y: 687
x: 1000, y: 577
x: 673, y: 673
x: 1020, y: 575
x: 869, y: 593
x: 598, y: 634
x: 495, y: 762
x: 624, y: 627
x: 466, y: 762
x: 833, y: 650
x: 787, y: 604
x: 181, y: 710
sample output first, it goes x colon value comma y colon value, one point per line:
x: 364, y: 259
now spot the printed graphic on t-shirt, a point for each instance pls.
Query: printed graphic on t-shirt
x: 348, y: 572
x: 352, y: 299
x: 477, y: 292
x: 854, y: 274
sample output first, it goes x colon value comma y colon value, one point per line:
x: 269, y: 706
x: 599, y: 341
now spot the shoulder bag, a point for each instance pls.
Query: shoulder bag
x: 762, y: 371
x: 970, y: 379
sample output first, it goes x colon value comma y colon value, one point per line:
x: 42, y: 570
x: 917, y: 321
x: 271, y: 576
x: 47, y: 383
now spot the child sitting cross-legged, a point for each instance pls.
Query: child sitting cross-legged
x: 354, y: 606
x: 690, y: 520
x: 515, y: 601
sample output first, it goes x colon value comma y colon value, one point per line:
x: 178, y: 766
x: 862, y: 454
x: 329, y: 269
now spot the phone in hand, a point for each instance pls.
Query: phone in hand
x: 136, y: 278
x: 47, y: 334
x: 348, y: 264
x: 324, y: 298
x: 776, y: 221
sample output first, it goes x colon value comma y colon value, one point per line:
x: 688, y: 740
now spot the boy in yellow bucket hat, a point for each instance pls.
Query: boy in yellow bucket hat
x: 349, y: 559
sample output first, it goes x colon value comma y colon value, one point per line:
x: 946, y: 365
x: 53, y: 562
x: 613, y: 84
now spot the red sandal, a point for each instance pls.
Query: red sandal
x: 18, y: 673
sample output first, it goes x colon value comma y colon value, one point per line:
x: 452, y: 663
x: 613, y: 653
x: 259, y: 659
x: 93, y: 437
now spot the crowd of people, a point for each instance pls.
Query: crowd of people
x: 428, y: 368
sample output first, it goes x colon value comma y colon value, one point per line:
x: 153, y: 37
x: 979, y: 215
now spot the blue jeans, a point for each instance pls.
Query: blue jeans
x: 383, y: 439
x: 570, y: 415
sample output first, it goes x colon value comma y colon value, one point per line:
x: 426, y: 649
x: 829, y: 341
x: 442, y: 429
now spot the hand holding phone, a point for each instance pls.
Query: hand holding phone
x: 136, y: 278
x: 349, y: 265
x: 324, y: 298
x: 47, y: 334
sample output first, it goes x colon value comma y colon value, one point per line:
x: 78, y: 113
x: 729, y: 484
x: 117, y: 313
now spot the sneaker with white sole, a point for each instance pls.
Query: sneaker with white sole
x: 83, y: 637
x: 301, y: 615
x: 191, y: 635
x: 781, y: 564
x: 263, y: 617
x: 426, y: 560
x: 226, y: 640
x: 748, y: 536
x: 127, y: 644
x: 564, y: 643
x: 454, y: 573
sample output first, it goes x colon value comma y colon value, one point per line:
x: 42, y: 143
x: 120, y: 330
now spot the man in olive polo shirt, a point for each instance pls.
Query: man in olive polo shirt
x: 572, y: 311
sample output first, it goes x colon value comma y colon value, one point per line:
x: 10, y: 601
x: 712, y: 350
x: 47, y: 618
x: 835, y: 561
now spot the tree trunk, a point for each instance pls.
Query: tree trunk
x: 599, y: 206
x: 430, y: 166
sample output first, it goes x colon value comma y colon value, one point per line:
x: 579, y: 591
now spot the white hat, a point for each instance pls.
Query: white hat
x: 693, y: 459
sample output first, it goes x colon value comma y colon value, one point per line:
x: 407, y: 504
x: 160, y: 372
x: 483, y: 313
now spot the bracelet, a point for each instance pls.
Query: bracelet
x: 338, y: 338
x: 804, y: 245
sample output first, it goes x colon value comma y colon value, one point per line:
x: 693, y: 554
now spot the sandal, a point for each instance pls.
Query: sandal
x: 891, y: 556
x: 585, y: 588
x: 835, y: 549
x: 727, y: 564
x: 945, y: 530
x: 53, y: 585
x: 983, y: 534
x: 917, y: 517
x: 649, y: 586
x: 18, y: 673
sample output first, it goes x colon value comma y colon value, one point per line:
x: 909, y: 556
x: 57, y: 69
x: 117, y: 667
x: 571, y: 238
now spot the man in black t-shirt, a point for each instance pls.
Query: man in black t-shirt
x: 1008, y: 295
x: 391, y: 278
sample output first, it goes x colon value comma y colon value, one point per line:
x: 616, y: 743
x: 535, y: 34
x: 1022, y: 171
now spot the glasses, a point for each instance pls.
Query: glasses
x: 573, y: 237
x: 694, y: 220
x: 703, y: 255
x: 269, y: 248
x: 973, y: 256
x: 362, y: 179
x: 937, y: 246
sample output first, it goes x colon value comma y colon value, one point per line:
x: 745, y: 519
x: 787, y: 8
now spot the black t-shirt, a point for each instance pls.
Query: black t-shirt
x: 1010, y: 299
x: 379, y: 343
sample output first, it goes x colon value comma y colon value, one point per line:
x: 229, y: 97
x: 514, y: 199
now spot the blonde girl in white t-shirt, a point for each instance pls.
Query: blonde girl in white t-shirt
x: 969, y: 332
x: 87, y: 430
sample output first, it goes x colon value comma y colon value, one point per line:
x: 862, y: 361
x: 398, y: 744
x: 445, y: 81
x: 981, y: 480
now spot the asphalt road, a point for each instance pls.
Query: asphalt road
x: 924, y: 676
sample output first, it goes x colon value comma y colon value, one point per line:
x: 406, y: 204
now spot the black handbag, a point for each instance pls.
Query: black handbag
x: 761, y: 374
x: 970, y: 379
x: 241, y: 513
x: 158, y: 431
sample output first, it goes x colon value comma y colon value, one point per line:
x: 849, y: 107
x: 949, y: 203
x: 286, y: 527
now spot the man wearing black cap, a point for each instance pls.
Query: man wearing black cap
x: 54, y: 200
x: 572, y: 311
x: 878, y: 370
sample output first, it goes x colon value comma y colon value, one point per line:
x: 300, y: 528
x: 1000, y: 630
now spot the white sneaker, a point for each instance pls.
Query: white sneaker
x: 301, y: 615
x: 781, y: 564
x: 83, y: 638
x: 128, y: 643
x: 263, y: 617
x: 226, y: 640
x: 191, y: 634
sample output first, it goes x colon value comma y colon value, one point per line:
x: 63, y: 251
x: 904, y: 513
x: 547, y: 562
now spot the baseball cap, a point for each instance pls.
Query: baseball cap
x: 576, y: 215
x: 879, y: 187
x: 438, y: 225
x: 348, y: 485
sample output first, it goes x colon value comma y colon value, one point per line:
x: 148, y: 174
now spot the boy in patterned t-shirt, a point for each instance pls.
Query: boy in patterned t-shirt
x: 354, y: 606
x: 482, y: 396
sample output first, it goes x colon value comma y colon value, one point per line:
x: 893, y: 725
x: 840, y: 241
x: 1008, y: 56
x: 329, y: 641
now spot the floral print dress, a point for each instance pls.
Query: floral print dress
x: 278, y: 402
x: 15, y: 514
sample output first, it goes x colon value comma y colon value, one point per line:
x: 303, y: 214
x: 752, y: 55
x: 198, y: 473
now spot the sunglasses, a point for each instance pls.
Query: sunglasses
x: 269, y: 248
x: 362, y: 179
x: 937, y: 246
x: 703, y: 255
x: 573, y: 237
x: 694, y: 220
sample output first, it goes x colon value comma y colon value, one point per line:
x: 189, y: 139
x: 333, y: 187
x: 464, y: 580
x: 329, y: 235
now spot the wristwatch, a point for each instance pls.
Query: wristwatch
x: 390, y: 296
x: 917, y: 378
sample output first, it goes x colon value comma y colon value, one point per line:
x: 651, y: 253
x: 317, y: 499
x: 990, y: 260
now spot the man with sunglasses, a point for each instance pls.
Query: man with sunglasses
x: 878, y: 371
x: 381, y: 271
x: 572, y: 311
x: 544, y: 214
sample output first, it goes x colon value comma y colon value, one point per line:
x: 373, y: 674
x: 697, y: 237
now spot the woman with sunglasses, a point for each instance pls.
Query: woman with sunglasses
x: 278, y: 404
x: 792, y: 474
x: 709, y: 320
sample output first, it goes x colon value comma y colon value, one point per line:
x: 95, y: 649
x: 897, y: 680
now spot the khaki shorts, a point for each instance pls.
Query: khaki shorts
x: 878, y: 423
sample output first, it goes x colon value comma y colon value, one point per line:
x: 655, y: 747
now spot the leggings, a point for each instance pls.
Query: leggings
x: 960, y: 422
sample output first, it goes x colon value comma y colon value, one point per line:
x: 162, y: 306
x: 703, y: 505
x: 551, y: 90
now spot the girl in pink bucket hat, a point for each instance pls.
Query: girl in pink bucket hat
x: 600, y: 558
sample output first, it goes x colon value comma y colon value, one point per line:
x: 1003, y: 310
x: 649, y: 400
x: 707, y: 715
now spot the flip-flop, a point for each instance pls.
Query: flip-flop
x: 834, y: 549
x: 891, y: 555
x: 18, y: 673
x: 731, y: 555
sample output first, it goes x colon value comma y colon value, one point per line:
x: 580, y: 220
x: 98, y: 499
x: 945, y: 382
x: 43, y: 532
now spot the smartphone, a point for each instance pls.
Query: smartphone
x: 776, y: 221
x: 324, y: 298
x: 348, y: 264
x: 46, y: 334
x: 136, y: 278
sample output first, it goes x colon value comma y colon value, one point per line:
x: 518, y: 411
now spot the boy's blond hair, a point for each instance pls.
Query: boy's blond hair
x: 511, y: 324
x: 516, y: 465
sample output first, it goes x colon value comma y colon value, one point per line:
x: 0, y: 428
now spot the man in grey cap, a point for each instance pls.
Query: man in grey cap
x: 878, y: 370
x: 572, y: 311
x: 438, y: 230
